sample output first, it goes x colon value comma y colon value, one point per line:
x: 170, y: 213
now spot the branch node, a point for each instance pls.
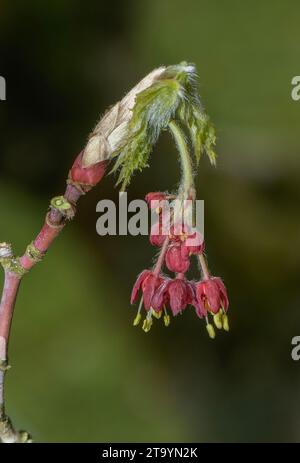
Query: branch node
x: 4, y: 366
x: 8, y: 435
x: 53, y: 225
x: 12, y: 264
x: 61, y: 204
x: 83, y: 188
x: 33, y: 253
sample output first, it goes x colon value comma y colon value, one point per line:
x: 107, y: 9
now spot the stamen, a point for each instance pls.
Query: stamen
x: 137, y: 319
x: 138, y: 316
x: 147, y: 322
x: 155, y: 314
x: 210, y: 329
x: 167, y: 319
x: 218, y: 319
x: 225, y: 322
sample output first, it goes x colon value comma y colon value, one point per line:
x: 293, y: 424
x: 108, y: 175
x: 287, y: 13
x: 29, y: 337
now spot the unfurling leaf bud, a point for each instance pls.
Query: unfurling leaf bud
x: 112, y: 130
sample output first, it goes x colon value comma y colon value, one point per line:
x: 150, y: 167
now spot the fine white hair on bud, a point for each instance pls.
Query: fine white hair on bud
x: 5, y: 250
x: 111, y: 130
x: 190, y: 68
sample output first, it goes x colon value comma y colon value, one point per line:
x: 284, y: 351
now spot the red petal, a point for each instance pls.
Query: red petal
x: 149, y: 285
x: 191, y: 292
x: 137, y: 285
x: 200, y: 309
x: 208, y: 291
x: 178, y: 296
x: 160, y: 297
x: 223, y: 293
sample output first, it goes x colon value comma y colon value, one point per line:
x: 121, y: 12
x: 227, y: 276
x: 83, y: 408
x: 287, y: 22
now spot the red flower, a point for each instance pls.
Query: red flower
x: 212, y: 295
x: 176, y: 260
x: 177, y: 293
x: 148, y: 282
x: 178, y: 242
x: 160, y: 298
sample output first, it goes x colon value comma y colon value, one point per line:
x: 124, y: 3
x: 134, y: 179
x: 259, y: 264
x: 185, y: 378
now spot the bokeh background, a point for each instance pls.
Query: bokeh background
x: 81, y: 372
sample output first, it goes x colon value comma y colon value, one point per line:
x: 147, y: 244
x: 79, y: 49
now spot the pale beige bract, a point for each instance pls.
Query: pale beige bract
x: 111, y: 130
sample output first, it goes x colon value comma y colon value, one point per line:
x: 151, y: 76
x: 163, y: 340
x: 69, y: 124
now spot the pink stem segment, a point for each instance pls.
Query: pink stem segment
x: 161, y: 257
x: 204, y: 268
x: 10, y: 290
x: 81, y: 179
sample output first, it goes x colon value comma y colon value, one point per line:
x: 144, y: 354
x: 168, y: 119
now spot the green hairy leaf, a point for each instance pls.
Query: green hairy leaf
x: 173, y: 96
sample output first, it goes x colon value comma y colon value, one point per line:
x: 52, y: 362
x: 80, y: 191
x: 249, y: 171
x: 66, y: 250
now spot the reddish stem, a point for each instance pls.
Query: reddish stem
x: 81, y: 180
x: 54, y: 223
x: 161, y: 257
x: 10, y: 290
x: 204, y: 268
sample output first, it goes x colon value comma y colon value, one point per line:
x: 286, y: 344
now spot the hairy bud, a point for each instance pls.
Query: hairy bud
x: 110, y: 132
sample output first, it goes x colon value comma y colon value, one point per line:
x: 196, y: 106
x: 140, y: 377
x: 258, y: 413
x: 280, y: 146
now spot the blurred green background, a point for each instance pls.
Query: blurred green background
x: 81, y: 371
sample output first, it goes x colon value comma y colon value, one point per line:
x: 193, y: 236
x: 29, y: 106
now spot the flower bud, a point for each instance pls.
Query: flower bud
x: 157, y: 236
x: 175, y: 260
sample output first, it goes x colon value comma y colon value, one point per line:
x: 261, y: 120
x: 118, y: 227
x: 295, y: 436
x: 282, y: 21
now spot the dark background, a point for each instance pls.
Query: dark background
x: 81, y: 371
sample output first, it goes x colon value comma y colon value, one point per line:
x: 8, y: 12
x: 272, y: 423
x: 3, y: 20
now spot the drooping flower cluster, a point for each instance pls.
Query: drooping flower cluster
x: 178, y: 243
